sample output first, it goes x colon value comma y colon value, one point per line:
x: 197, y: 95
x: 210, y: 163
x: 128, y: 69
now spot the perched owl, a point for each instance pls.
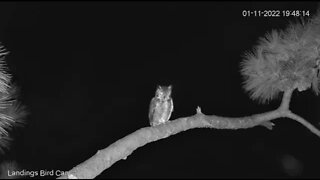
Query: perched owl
x: 161, y: 106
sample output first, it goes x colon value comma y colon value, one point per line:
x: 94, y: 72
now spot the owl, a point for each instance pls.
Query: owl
x: 161, y: 106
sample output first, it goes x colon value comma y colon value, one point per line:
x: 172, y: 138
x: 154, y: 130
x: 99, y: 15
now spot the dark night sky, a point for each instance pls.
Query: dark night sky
x: 87, y: 72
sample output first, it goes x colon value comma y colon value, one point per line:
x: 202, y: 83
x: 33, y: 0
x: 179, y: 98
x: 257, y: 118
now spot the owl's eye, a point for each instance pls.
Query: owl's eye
x: 159, y: 93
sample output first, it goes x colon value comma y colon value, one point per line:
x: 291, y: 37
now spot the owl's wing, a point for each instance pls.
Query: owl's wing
x: 152, y: 108
x: 171, y: 102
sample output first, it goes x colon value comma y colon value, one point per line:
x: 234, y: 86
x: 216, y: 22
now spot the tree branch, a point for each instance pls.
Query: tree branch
x: 284, y: 108
x: 303, y: 122
x: 285, y: 103
x: 122, y: 148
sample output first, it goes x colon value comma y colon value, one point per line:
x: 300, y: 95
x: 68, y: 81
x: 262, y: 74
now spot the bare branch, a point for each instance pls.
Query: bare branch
x: 122, y: 148
x: 285, y: 103
x: 304, y: 122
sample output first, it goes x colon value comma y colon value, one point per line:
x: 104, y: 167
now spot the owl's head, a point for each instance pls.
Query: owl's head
x: 164, y: 92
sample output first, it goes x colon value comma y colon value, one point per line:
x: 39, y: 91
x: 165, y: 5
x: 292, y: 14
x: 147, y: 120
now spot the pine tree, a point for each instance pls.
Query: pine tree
x: 11, y: 111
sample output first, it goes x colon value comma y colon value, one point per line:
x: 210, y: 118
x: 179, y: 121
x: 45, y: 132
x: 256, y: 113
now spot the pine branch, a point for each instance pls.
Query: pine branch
x: 11, y: 112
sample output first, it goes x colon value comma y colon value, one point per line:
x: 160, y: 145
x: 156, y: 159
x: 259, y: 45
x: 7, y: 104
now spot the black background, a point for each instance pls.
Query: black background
x: 88, y: 70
